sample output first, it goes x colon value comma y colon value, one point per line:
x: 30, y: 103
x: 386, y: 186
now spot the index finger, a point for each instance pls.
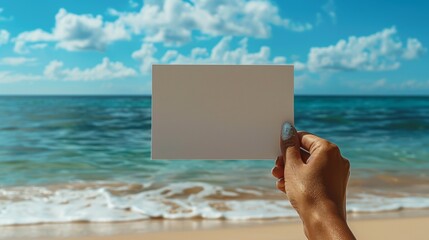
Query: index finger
x: 311, y: 142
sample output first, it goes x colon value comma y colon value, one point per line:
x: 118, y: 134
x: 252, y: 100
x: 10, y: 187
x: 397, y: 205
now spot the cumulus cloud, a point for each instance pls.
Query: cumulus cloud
x: 146, y: 56
x: 380, y: 51
x: 55, y: 70
x: 4, y: 36
x: 174, y: 21
x: 414, y: 49
x: 15, y: 61
x: 34, y: 36
x: 220, y: 53
x: 74, y: 32
x: 106, y: 70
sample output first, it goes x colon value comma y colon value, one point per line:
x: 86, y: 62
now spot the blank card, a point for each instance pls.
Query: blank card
x: 220, y: 111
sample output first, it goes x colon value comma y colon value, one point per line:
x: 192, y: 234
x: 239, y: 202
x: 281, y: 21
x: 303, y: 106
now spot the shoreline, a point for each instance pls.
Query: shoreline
x: 94, y: 202
x: 379, y: 223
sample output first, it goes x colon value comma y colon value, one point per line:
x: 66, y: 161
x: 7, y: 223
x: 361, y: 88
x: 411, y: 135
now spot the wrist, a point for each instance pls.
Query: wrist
x: 322, y: 220
x: 320, y: 209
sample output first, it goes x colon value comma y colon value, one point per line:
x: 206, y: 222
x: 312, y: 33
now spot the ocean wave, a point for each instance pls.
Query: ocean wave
x: 118, y: 202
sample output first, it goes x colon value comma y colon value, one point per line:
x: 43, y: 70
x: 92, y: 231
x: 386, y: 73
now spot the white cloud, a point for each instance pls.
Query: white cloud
x: 106, y: 70
x: 23, y: 38
x: 4, y: 36
x: 299, y: 66
x: 15, y: 61
x: 414, y: 49
x: 221, y: 53
x: 53, y: 69
x: 10, y: 77
x: 74, y: 32
x: 380, y: 51
x: 174, y: 21
x: 146, y: 56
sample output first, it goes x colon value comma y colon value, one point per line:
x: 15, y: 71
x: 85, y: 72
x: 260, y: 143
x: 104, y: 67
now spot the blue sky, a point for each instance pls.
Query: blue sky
x: 107, y: 47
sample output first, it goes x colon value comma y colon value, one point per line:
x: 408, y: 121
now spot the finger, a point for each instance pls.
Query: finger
x: 280, y: 184
x: 279, y: 162
x: 289, y: 144
x: 311, y: 142
x: 277, y: 172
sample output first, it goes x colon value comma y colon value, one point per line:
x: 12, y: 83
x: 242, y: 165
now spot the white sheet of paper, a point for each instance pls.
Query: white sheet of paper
x: 220, y: 111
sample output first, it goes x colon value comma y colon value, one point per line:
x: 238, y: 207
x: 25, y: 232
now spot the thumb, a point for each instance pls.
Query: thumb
x: 290, y: 144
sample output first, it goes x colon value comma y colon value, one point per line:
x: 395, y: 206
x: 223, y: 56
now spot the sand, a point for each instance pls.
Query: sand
x: 394, y: 228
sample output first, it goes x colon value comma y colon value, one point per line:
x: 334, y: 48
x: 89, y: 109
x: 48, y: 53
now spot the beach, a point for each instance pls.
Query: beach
x: 214, y: 119
x: 84, y: 170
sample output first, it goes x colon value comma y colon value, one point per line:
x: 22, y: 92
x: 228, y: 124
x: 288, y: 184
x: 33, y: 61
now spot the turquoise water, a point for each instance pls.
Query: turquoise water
x: 59, y: 139
x: 70, y: 142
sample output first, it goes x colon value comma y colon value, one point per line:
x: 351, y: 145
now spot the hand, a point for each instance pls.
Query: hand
x: 314, y: 183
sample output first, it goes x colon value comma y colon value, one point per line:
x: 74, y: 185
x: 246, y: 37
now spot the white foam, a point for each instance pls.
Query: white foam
x: 101, y: 203
x: 375, y: 203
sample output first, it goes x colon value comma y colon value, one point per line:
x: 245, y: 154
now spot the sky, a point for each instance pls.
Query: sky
x: 82, y: 47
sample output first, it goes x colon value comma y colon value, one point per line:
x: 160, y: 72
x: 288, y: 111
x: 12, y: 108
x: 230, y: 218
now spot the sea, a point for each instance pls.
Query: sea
x: 70, y: 159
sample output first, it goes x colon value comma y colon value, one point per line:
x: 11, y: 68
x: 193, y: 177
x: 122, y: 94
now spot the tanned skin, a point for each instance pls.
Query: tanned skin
x: 314, y: 176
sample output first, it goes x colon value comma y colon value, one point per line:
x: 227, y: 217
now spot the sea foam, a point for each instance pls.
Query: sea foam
x: 129, y: 202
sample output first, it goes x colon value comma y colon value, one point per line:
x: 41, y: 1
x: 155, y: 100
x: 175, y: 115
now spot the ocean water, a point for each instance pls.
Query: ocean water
x: 66, y: 159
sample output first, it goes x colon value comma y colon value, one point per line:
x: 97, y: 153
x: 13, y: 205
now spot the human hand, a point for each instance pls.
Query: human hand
x: 314, y: 183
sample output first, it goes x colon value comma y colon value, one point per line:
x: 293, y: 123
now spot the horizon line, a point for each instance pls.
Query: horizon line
x: 150, y: 95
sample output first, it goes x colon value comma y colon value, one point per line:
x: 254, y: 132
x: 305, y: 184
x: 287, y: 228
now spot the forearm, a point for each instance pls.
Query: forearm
x: 326, y: 223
